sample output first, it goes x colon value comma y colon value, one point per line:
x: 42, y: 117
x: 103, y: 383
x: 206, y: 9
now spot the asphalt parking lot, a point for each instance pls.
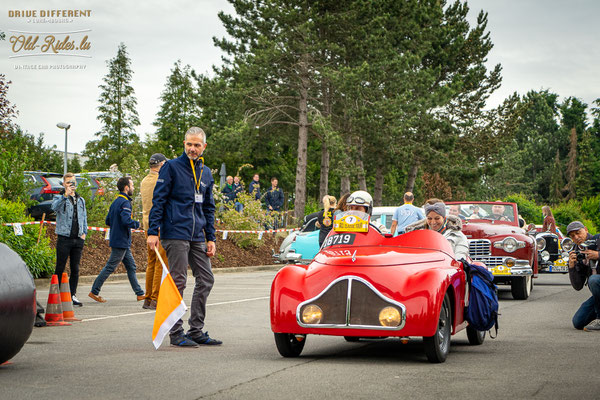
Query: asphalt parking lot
x: 109, y: 354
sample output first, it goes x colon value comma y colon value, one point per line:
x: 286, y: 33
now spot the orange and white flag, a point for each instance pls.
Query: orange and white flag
x: 170, y: 306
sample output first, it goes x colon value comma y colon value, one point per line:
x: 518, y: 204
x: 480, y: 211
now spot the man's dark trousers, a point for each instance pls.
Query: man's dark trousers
x: 71, y: 248
x: 182, y: 253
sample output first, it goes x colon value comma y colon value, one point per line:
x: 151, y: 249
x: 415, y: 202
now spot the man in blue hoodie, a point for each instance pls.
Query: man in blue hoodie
x: 183, y: 210
x: 120, y: 223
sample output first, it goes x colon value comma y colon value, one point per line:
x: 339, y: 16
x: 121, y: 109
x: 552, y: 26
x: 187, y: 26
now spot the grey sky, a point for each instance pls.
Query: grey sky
x: 540, y: 44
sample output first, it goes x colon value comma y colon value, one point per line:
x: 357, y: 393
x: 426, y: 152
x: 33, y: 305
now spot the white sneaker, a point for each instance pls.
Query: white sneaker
x: 593, y: 326
x: 76, y: 301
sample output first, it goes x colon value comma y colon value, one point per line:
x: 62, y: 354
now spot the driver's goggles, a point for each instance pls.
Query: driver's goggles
x: 356, y: 200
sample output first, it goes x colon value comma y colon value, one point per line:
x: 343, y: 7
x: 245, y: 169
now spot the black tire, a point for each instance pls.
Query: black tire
x: 352, y: 339
x: 437, y: 346
x: 521, y: 287
x: 475, y: 337
x: 288, y: 345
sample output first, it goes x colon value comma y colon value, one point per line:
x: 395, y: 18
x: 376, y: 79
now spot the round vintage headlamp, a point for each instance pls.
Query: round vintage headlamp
x: 312, y: 314
x: 565, y: 256
x: 541, y: 243
x: 509, y: 244
x: 545, y: 256
x: 390, y: 316
x: 567, y: 244
x: 509, y: 262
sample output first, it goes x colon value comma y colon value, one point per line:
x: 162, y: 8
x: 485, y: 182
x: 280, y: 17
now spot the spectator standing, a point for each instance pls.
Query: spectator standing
x: 405, y: 215
x: 254, y: 187
x: 120, y: 223
x: 183, y: 209
x: 154, y: 269
x: 237, y: 189
x: 71, y: 230
x: 228, y: 191
x: 274, y: 197
x: 549, y: 222
x: 325, y: 218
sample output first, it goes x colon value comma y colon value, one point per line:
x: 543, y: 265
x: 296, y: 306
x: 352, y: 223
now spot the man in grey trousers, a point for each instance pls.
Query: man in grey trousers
x: 183, y: 210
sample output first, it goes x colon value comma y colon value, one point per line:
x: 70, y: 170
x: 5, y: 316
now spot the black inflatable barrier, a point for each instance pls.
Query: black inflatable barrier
x: 17, y: 303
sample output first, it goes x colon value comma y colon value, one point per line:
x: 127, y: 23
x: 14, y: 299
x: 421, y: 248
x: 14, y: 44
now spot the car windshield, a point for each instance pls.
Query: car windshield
x: 488, y: 211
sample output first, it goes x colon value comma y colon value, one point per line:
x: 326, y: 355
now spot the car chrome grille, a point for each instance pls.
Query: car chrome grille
x: 351, y: 302
x: 479, y: 247
x: 489, y: 261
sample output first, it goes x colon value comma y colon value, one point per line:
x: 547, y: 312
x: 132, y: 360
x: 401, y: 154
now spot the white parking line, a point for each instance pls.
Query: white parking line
x: 150, y: 312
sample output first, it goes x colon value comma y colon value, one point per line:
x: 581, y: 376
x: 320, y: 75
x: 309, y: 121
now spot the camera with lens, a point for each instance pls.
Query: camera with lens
x: 579, y: 249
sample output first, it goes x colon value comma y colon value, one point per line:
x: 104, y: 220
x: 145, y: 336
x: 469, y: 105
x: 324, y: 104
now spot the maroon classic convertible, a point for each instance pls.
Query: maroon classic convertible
x: 497, y: 240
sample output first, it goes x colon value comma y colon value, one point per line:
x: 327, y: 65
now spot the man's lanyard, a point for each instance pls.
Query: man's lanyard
x: 125, y: 197
x: 194, y: 171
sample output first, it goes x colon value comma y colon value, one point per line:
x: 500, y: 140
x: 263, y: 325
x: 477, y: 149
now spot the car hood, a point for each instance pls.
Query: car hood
x: 379, y: 256
x: 478, y: 230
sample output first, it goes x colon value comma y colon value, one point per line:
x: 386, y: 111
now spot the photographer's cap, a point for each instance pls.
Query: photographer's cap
x: 157, y: 158
x: 574, y: 226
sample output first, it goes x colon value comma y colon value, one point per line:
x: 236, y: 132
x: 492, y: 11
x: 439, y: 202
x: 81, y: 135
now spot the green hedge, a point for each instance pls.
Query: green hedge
x: 39, y: 257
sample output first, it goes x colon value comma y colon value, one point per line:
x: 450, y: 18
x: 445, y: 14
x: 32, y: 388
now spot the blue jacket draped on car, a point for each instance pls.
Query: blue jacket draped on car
x: 120, y: 222
x: 174, y: 210
x: 63, y: 208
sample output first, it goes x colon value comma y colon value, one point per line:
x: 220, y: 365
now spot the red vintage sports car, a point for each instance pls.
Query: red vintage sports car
x: 363, y: 284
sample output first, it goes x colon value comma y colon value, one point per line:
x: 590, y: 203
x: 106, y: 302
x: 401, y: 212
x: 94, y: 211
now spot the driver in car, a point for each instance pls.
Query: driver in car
x: 362, y: 201
x: 498, y: 213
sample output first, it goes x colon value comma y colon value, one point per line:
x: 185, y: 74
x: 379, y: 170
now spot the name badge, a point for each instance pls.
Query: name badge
x: 198, y: 198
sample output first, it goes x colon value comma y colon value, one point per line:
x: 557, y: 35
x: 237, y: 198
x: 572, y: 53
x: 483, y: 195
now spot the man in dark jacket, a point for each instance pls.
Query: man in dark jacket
x: 585, y: 268
x: 274, y: 197
x: 183, y: 209
x: 228, y: 190
x: 254, y: 187
x: 120, y: 223
x: 237, y: 189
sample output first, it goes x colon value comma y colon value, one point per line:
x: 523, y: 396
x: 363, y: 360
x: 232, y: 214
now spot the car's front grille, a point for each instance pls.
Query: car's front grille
x: 351, y: 302
x: 489, y: 261
x: 479, y: 247
x: 552, y: 244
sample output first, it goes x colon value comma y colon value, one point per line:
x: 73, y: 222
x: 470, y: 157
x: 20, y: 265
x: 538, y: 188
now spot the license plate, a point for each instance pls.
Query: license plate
x: 500, y: 270
x: 559, y: 268
x: 342, y: 238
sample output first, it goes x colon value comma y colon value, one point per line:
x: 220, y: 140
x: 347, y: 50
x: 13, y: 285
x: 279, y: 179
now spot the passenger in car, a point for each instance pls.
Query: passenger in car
x: 341, y: 204
x: 450, y: 226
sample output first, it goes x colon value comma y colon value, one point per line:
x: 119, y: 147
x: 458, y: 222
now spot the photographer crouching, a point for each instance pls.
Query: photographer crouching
x: 583, y: 266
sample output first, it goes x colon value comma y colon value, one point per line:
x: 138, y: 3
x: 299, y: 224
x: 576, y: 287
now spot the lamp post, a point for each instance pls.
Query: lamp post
x: 65, y: 126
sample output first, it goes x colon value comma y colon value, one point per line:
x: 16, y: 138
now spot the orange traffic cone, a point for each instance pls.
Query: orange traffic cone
x: 66, y: 300
x: 54, y: 315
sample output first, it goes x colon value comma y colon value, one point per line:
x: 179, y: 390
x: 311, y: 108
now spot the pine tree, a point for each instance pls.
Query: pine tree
x: 118, y: 114
x: 179, y: 109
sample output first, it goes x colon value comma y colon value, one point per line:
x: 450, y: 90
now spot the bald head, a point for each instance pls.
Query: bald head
x: 409, y: 197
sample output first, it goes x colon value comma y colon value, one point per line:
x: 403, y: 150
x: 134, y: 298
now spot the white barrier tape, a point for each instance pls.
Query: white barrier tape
x: 266, y: 231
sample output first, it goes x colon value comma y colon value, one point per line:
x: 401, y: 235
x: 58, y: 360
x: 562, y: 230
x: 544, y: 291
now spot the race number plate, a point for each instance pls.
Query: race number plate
x: 343, y: 238
x: 500, y: 270
x: 559, y: 268
x: 351, y: 223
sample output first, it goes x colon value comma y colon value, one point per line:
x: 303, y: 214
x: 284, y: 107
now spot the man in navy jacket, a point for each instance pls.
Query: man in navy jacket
x: 183, y: 210
x: 120, y: 223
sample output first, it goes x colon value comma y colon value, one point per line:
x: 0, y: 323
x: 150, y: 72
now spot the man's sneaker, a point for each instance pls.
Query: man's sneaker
x: 99, y: 299
x: 593, y: 326
x: 76, y: 301
x: 183, y: 341
x: 204, y: 339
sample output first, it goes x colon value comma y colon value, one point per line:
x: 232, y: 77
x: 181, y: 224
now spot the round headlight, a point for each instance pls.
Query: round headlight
x: 509, y: 244
x: 312, y: 314
x: 565, y: 256
x: 567, y: 244
x: 389, y: 316
x: 541, y: 243
x: 545, y: 256
x: 509, y: 262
